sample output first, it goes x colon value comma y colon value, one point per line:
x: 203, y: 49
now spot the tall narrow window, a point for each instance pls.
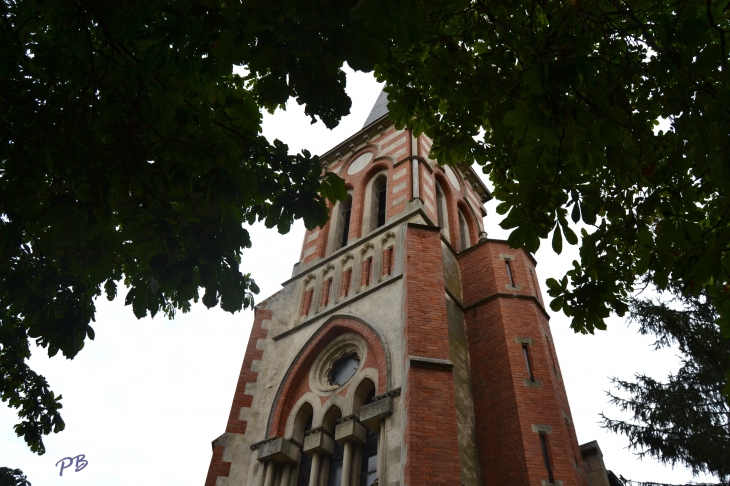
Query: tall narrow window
x: 463, y: 232
x: 442, y: 212
x: 378, y: 201
x: 305, y: 464
x: 335, y: 475
x: 440, y: 206
x: 509, y: 273
x: 369, y: 468
x: 343, y: 222
x: 381, y: 207
x: 369, y: 465
x: 526, y: 354
x: 546, y: 458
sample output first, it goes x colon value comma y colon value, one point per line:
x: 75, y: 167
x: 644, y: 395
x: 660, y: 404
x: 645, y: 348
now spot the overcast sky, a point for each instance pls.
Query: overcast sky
x: 144, y: 400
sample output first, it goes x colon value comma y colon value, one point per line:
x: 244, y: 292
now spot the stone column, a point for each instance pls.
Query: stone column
x: 314, y: 473
x: 349, y: 433
x: 274, y: 451
x: 270, y: 473
x: 381, y: 451
x: 416, y: 179
x: 319, y: 445
x: 324, y: 474
x: 286, y: 474
x: 347, y: 463
x: 356, y: 464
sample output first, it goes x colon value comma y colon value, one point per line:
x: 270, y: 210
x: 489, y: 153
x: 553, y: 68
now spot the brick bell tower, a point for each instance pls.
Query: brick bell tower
x: 407, y: 348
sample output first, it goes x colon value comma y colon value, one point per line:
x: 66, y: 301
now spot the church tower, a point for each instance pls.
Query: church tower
x: 407, y: 348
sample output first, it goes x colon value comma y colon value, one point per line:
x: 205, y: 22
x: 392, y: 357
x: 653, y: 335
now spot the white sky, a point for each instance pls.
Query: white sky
x: 146, y: 398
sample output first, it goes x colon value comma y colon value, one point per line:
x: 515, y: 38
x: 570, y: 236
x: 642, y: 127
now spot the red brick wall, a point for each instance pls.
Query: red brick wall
x: 509, y: 450
x: 430, y: 436
x: 218, y: 467
x: 358, y: 182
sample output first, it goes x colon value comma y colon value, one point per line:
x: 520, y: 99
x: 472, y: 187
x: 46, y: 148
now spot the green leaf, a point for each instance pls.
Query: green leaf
x: 557, y: 240
x: 575, y: 214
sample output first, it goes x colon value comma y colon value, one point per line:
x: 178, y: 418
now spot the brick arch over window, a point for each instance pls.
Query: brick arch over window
x: 333, y: 231
x: 362, y: 196
x: 296, y: 380
x: 473, y: 229
x: 452, y: 215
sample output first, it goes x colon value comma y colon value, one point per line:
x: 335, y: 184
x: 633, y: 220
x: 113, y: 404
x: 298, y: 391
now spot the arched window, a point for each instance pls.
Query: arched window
x: 363, y: 395
x: 302, y: 423
x: 369, y: 459
x: 463, y: 232
x: 334, y: 477
x: 343, y: 222
x: 378, y: 201
x: 442, y: 211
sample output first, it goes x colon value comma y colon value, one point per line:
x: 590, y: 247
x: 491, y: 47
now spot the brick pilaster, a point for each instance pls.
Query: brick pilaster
x: 500, y: 320
x: 430, y: 427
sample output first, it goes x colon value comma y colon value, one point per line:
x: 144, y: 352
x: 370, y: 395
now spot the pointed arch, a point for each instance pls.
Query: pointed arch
x: 442, y: 210
x: 329, y: 419
x: 468, y: 230
x: 374, y: 197
x: 449, y: 206
x: 362, y: 391
x: 302, y: 421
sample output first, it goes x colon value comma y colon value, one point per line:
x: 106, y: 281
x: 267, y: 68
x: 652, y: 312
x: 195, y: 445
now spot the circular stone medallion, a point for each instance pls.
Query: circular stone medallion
x: 359, y: 163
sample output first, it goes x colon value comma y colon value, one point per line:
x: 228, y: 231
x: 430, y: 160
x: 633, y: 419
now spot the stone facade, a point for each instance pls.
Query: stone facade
x: 455, y: 379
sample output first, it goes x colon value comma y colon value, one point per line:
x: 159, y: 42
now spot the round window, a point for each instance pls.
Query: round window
x: 338, y: 362
x: 343, y: 369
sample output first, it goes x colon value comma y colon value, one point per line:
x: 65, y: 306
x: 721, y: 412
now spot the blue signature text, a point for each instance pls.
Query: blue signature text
x: 80, y: 463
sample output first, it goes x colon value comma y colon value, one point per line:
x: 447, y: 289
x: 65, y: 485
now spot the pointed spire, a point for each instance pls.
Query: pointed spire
x: 379, y: 109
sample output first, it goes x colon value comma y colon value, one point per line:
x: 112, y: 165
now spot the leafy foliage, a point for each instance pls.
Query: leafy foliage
x: 559, y: 101
x: 685, y: 420
x: 12, y: 477
x: 130, y: 154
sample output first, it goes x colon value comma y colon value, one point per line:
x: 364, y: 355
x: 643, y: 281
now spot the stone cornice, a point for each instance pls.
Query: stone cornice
x: 431, y: 363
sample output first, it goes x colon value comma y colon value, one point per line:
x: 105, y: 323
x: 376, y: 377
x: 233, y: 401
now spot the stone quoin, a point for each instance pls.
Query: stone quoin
x: 407, y: 348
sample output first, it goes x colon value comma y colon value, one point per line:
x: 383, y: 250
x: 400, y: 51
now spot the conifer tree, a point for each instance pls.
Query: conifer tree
x: 684, y: 420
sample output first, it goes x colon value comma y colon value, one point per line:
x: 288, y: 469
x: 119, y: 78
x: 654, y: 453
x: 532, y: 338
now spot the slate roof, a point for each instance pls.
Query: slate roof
x: 379, y: 109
